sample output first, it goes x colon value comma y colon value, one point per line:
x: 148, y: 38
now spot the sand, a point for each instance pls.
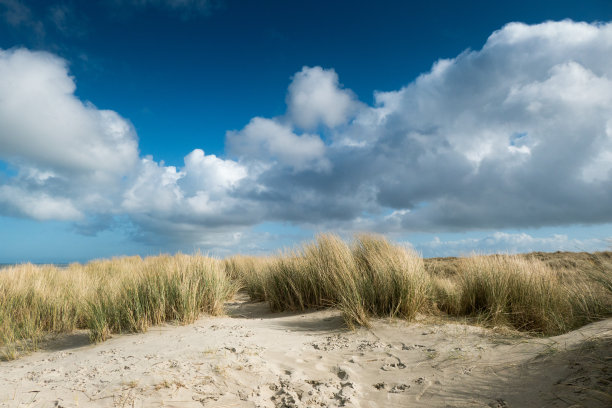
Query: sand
x: 254, y: 358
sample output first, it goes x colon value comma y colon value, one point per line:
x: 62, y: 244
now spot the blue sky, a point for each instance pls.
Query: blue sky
x: 147, y: 126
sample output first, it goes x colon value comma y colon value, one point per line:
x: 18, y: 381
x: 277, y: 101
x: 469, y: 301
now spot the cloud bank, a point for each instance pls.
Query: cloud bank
x: 516, y: 134
x: 510, y: 243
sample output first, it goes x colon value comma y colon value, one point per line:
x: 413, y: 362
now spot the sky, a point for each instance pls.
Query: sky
x: 223, y: 126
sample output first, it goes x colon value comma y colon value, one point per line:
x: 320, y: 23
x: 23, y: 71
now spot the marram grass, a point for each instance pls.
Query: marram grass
x: 368, y: 277
x: 391, y: 279
x: 105, y: 297
x: 371, y: 277
x: 525, y: 294
x: 160, y: 289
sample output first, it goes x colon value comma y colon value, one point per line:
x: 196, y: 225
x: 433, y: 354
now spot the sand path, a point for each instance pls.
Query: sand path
x: 253, y: 358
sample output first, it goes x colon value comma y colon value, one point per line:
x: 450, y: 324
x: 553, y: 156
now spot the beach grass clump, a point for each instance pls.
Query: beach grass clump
x: 160, y: 289
x: 446, y: 294
x: 319, y: 274
x: 332, y: 271
x: 511, y: 290
x: 599, y: 270
x: 112, y: 296
x: 391, y: 279
x: 31, y: 305
x: 312, y: 276
x: 590, y: 294
x: 371, y: 277
x: 250, y: 272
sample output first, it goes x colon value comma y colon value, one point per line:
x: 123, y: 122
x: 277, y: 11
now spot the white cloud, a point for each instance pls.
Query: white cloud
x: 513, y: 135
x: 74, y: 161
x: 154, y: 189
x: 198, y: 192
x: 67, y: 153
x: 210, y: 173
x: 265, y: 140
x: 37, y: 205
x: 546, y: 35
x: 516, y: 134
x: 315, y: 98
x: 45, y: 124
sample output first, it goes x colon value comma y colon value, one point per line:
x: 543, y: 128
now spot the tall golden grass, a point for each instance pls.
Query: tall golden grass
x: 371, y: 277
x: 368, y: 277
x: 112, y: 296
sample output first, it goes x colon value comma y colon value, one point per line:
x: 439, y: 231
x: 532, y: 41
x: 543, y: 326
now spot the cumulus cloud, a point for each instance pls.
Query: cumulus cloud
x: 73, y: 161
x: 198, y: 193
x: 266, y: 140
x: 66, y: 153
x: 154, y: 189
x: 516, y: 134
x: 36, y: 204
x: 211, y: 173
x: 43, y: 123
x: 315, y: 98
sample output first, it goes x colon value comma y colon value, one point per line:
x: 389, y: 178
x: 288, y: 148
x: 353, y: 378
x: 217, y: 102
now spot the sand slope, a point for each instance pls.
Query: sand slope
x: 253, y: 358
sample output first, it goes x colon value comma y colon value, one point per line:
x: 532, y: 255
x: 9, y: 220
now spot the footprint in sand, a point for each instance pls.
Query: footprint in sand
x: 346, y: 393
x: 399, y: 388
x: 342, y: 373
x: 393, y: 366
x: 380, y: 386
x: 395, y: 389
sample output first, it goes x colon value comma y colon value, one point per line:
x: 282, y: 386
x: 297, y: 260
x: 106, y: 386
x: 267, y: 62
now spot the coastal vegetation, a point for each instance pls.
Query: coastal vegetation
x: 369, y: 277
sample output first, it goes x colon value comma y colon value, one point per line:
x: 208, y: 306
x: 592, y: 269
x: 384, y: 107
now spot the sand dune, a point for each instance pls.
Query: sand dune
x: 254, y: 358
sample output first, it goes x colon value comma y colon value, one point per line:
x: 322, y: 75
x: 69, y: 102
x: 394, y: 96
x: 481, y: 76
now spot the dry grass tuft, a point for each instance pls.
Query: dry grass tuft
x: 111, y: 296
x: 508, y: 289
x: 159, y: 289
x: 250, y: 272
x: 391, y: 279
x: 371, y: 277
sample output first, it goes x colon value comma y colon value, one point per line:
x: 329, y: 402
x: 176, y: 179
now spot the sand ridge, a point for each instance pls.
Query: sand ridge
x: 254, y: 358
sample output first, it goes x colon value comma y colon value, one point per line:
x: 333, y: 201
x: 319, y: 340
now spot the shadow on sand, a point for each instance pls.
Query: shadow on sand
x: 315, y: 320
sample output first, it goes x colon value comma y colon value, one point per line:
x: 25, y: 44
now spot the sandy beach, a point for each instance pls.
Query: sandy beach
x: 254, y: 358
